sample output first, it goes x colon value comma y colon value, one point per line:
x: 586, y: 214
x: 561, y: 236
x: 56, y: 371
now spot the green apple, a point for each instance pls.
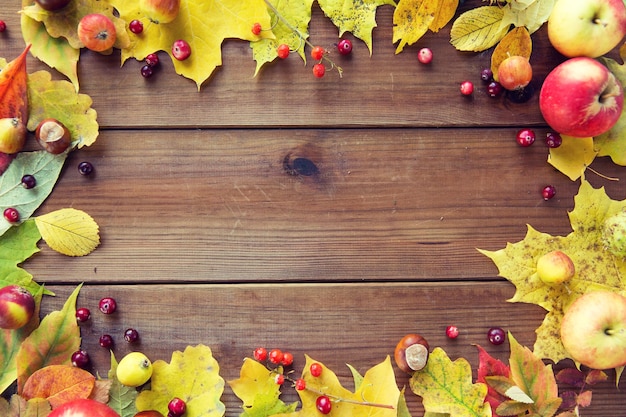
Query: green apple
x: 593, y: 330
x: 614, y: 234
x: 555, y: 268
x: 586, y: 27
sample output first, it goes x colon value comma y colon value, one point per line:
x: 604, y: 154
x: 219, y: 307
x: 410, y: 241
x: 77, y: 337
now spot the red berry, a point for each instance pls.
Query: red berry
x: 3, y: 26
x: 553, y: 140
x: 256, y: 28
x: 486, y: 75
x: 177, y: 407
x: 107, y: 305
x: 496, y: 335
x: 147, y: 71
x: 467, y: 88
x: 316, y: 369
x: 82, y: 314
x: 80, y: 359
x: 287, y: 359
x: 300, y: 384
x: 181, y: 50
x: 279, y: 379
x: 131, y: 335
x: 11, y: 215
x: 260, y: 354
x: 548, y: 192
x: 283, y: 50
x: 525, y: 137
x: 317, y: 53
x: 152, y: 59
x: 425, y: 56
x: 135, y: 26
x: 323, y: 404
x: 494, y: 89
x: 319, y: 70
x: 106, y: 341
x: 452, y: 332
x: 275, y: 356
x: 344, y: 47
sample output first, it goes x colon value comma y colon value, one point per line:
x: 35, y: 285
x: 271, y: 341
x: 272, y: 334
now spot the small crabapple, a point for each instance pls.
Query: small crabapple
x: 316, y: 369
x: 181, y: 50
x: 260, y: 354
x: 275, y: 356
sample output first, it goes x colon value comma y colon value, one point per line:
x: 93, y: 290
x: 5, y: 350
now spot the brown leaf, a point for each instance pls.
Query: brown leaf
x: 59, y: 384
x: 101, y: 390
x: 13, y: 89
x: 584, y: 399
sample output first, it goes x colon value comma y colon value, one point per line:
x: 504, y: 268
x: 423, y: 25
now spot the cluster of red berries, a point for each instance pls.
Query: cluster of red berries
x: 107, y: 305
x: 273, y: 356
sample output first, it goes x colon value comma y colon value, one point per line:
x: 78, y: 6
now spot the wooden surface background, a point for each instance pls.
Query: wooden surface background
x: 210, y: 235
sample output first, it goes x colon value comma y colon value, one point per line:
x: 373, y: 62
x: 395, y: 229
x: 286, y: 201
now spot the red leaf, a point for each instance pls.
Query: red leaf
x: 13, y: 89
x: 489, y: 366
x: 571, y: 376
x: 59, y: 384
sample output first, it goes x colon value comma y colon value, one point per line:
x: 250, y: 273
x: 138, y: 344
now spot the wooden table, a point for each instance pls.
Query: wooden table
x: 210, y: 235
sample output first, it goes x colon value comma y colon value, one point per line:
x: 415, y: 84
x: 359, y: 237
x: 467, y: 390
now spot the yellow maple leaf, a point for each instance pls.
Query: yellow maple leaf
x: 203, y: 24
x: 69, y: 231
x: 413, y: 18
x: 478, y: 29
x: 596, y: 268
x: 515, y: 43
x: 573, y: 156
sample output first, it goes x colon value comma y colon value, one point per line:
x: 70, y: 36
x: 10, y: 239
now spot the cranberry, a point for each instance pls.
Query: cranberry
x: 323, y: 404
x: 452, y: 332
x: 494, y: 89
x: 260, y: 354
x: 106, y: 341
x: 553, y: 140
x: 152, y: 59
x: 11, y: 215
x: 496, y: 335
x: 467, y: 88
x: 486, y: 75
x: 548, y: 192
x: 135, y: 26
x: 80, y: 359
x: 316, y: 369
x: 83, y: 314
x: 525, y: 137
x: 107, y: 305
x: 131, y: 335
x: 3, y: 26
x: 344, y: 47
x: 177, y: 407
x: 425, y: 56
x: 276, y: 356
x: 146, y: 71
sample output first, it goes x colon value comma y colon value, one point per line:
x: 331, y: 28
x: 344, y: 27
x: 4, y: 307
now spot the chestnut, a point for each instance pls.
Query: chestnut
x: 53, y: 136
x: 411, y: 353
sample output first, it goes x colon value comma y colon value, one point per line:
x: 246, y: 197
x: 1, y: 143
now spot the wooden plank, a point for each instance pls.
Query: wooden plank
x: 225, y: 205
x: 336, y: 324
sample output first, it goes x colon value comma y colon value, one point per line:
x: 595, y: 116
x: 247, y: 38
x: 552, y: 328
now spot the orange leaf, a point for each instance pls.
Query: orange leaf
x: 59, y: 384
x: 13, y: 88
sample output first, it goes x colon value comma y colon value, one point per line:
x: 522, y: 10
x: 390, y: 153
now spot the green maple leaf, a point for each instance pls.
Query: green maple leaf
x: 596, y: 268
x: 192, y: 375
x: 355, y: 16
x: 203, y: 24
x: 446, y: 387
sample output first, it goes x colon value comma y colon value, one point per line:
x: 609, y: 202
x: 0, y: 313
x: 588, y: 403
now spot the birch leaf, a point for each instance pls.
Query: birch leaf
x: 478, y: 29
x: 573, y: 156
x: 69, y: 231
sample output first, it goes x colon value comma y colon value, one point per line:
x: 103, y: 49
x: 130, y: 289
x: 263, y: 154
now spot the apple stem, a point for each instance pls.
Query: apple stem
x: 599, y: 21
x: 608, y: 95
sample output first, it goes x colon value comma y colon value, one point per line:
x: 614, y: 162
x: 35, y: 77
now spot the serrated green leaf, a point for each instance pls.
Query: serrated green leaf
x: 44, y: 166
x: 446, y: 387
x: 17, y: 245
x: 478, y: 29
x: 52, y: 343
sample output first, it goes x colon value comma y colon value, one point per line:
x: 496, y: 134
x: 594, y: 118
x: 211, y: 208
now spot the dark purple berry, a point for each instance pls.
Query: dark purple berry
x: 496, y: 335
x: 553, y: 140
x: 146, y: 71
x: 85, y: 168
x: 80, y: 359
x: 486, y: 75
x: 152, y: 59
x: 107, y: 305
x: 131, y: 335
x: 28, y: 181
x: 344, y: 47
x: 548, y: 192
x: 525, y: 137
x: 494, y: 89
x: 520, y: 95
x: 82, y: 314
x: 106, y: 341
x: 135, y: 26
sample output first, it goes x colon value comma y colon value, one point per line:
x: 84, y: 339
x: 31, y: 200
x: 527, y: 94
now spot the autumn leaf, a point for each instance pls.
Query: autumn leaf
x: 19, y: 407
x: 257, y: 388
x: 59, y: 384
x: 596, y: 268
x: 515, y: 43
x: 52, y: 343
x: 203, y: 24
x: 45, y: 166
x: 531, y: 14
x: 121, y: 398
x: 69, y: 231
x: 357, y: 17
x: 489, y: 366
x: 573, y: 156
x: 13, y: 88
x: 478, y: 29
x: 446, y: 387
x: 192, y: 375
x: 613, y: 142
x: 413, y: 18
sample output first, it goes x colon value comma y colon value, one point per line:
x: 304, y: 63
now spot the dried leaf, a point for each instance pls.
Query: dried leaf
x: 516, y: 43
x: 59, y: 384
x: 573, y: 156
x: 411, y: 20
x: 101, y: 391
x: 13, y: 88
x: 121, y: 398
x: 52, y: 343
x: 69, y: 231
x: 478, y: 29
x: 446, y: 387
x: 192, y: 375
x: 19, y: 407
x: 45, y: 166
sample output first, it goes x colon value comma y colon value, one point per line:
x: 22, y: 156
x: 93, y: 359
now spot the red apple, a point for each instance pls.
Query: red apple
x: 17, y: 306
x: 160, y: 11
x: 593, y: 330
x: 581, y: 98
x: 97, y: 32
x: 83, y: 408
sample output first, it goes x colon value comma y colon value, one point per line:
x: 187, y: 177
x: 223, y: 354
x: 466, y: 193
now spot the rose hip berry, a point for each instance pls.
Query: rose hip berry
x: 496, y: 335
x: 467, y: 88
x: 525, y: 137
x: 317, y: 53
x: 85, y: 168
x: 283, y: 50
x: 287, y: 359
x: 316, y: 369
x: 80, y: 359
x: 300, y: 384
x: 344, y: 47
x: 82, y: 314
x: 319, y: 70
x: 553, y: 140
x: 452, y: 332
x: 260, y: 354
x: 279, y: 379
x: 11, y: 215
x: 29, y: 181
x: 323, y: 404
x: 548, y: 192
x: 131, y: 335
x: 177, y: 407
x: 135, y: 26
x: 256, y: 29
x: 425, y: 56
x: 107, y: 305
x: 275, y: 356
x: 106, y: 341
